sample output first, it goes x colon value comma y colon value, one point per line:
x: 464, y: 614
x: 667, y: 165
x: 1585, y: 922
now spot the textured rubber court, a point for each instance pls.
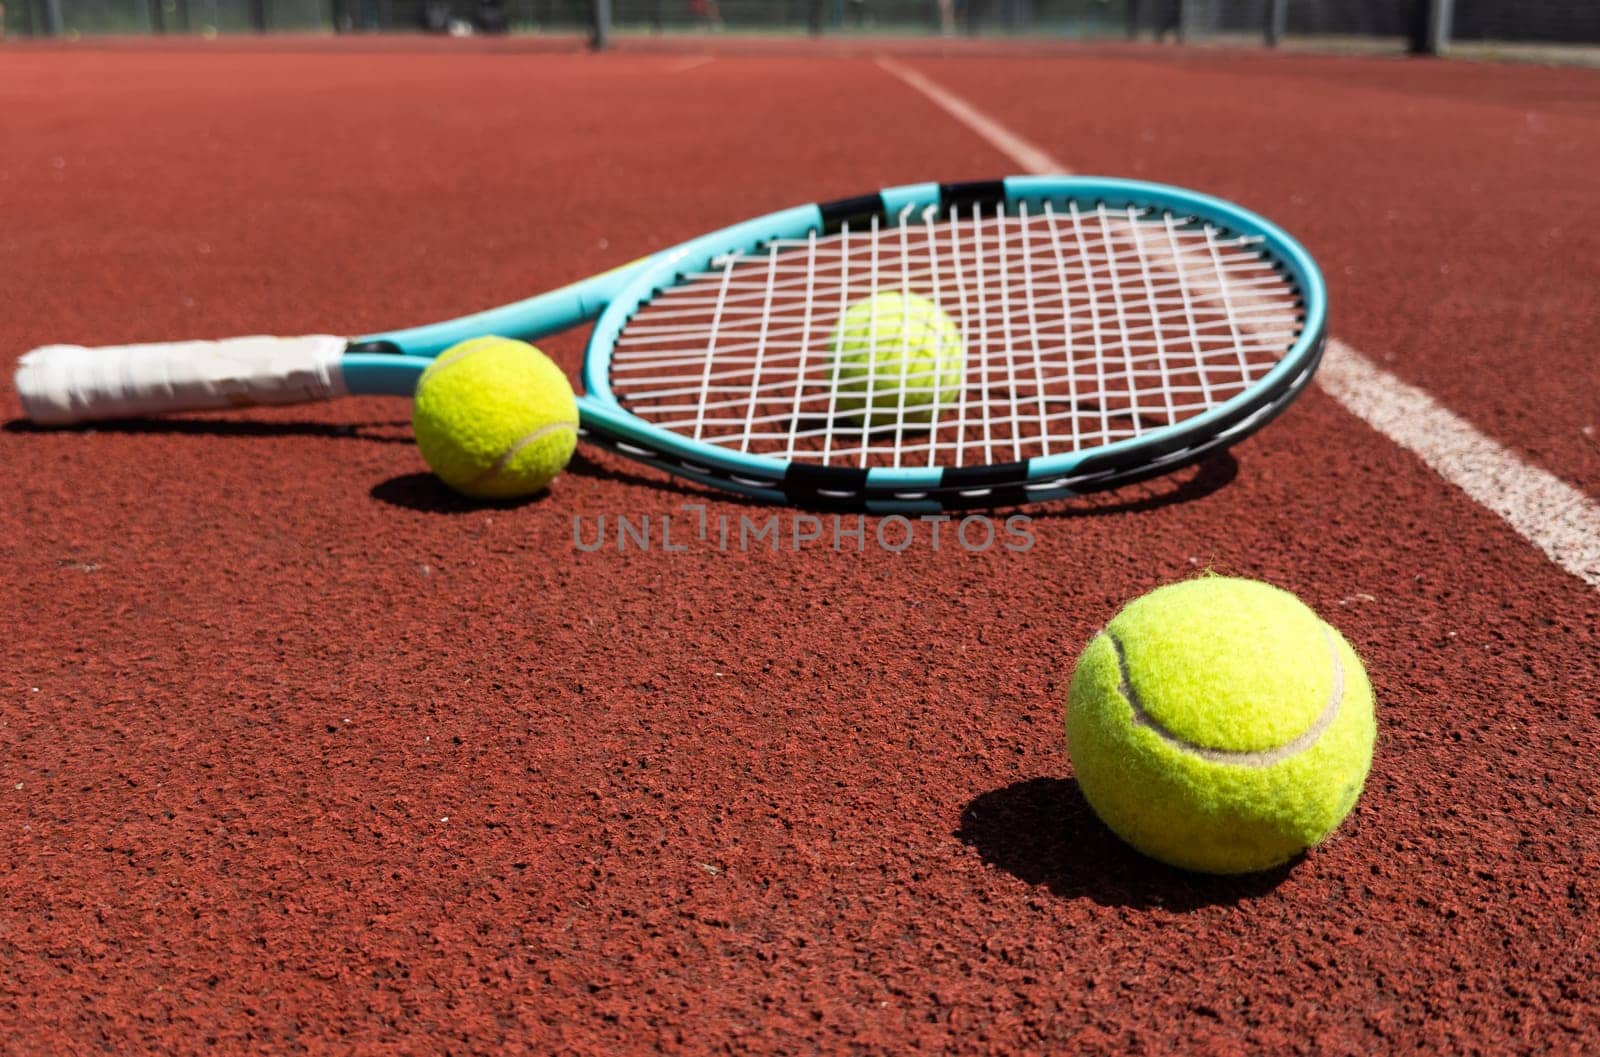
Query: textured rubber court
x: 303, y: 755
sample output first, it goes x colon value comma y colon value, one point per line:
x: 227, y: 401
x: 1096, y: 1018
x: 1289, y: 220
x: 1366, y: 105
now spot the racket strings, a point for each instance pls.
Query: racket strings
x: 1078, y: 327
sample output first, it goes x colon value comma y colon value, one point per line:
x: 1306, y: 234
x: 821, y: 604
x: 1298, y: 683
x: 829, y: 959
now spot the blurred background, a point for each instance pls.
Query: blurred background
x: 1432, y: 26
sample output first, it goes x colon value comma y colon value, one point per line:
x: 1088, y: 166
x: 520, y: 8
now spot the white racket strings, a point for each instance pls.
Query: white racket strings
x: 1074, y: 328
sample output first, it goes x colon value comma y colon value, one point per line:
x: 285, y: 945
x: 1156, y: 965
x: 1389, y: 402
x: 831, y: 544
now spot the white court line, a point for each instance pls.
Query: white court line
x: 1030, y: 158
x: 1543, y: 509
x: 694, y: 62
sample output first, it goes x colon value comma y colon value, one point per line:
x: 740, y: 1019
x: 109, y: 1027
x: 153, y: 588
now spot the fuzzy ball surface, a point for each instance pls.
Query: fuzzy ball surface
x: 897, y: 357
x: 495, y: 418
x: 1220, y: 725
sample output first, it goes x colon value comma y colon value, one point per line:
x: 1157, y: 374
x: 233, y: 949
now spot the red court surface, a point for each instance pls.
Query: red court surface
x: 304, y: 755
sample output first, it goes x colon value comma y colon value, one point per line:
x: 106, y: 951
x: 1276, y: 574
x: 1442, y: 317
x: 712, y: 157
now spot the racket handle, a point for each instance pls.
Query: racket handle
x: 63, y: 384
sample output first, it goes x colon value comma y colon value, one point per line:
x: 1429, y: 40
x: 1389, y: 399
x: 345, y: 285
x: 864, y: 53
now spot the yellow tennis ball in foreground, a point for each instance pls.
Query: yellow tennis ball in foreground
x: 897, y: 350
x: 1219, y: 725
x: 495, y: 419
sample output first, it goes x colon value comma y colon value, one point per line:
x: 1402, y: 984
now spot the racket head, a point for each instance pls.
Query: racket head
x: 901, y: 469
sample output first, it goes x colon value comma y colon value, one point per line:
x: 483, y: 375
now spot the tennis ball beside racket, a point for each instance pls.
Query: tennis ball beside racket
x: 495, y: 419
x: 1219, y: 725
x: 897, y: 350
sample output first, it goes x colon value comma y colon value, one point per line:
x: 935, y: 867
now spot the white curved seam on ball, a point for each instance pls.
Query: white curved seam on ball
x: 455, y: 355
x: 1242, y: 758
x: 511, y: 452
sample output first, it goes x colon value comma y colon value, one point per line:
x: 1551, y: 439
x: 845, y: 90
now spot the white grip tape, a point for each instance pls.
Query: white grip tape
x: 62, y: 384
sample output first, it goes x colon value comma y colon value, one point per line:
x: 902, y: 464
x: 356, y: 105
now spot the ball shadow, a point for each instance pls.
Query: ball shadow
x: 1043, y: 832
x: 428, y: 494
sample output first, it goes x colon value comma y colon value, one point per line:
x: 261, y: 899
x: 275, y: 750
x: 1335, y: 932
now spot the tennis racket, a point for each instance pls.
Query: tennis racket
x: 1111, y: 330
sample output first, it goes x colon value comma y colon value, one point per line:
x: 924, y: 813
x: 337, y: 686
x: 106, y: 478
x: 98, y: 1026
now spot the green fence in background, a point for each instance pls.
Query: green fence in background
x: 1426, y: 25
x: 1060, y: 18
x: 85, y: 17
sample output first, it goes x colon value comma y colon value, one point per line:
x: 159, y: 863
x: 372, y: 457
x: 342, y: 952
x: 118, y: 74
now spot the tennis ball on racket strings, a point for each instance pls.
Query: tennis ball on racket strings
x: 896, y: 350
x: 495, y: 418
x: 1220, y: 725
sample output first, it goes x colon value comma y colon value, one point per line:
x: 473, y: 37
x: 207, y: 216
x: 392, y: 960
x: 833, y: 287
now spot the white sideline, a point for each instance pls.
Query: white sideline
x: 1027, y: 157
x: 1543, y: 509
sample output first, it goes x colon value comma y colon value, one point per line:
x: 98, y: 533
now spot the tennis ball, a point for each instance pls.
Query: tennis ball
x: 495, y: 419
x: 1219, y: 725
x: 903, y: 348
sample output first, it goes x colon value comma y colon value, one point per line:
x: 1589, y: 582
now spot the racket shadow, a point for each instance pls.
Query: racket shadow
x: 614, y: 468
x: 1211, y: 474
x: 425, y: 492
x: 1043, y: 832
x: 380, y: 432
